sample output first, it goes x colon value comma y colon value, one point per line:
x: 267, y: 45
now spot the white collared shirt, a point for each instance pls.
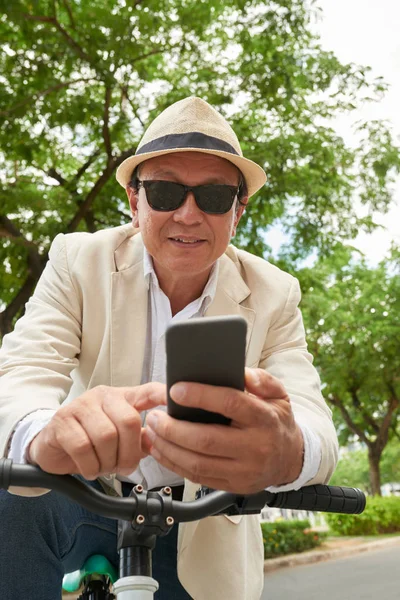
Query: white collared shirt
x: 149, y: 472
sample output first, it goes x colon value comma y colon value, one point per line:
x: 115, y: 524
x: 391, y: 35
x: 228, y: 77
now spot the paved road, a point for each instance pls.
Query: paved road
x: 373, y: 575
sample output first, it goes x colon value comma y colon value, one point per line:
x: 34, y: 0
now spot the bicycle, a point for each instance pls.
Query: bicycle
x: 145, y: 515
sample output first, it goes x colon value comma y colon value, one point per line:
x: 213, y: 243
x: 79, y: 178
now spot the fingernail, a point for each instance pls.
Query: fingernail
x: 152, y: 420
x: 178, y: 391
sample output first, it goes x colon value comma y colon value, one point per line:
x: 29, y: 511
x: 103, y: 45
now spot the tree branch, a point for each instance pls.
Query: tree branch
x: 16, y: 304
x: 90, y: 222
x: 106, y: 131
x: 52, y: 172
x: 348, y: 420
x: 86, y: 165
x: 40, y: 18
x: 71, y: 42
x: 392, y: 390
x: 383, y: 434
x: 367, y: 418
x: 55, y: 175
x: 134, y: 108
x: 155, y: 51
x: 69, y: 11
x: 53, y: 88
x: 10, y: 230
x: 104, y: 177
x: 20, y: 241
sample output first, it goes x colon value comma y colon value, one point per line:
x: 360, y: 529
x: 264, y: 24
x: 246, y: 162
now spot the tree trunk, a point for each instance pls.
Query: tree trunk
x: 374, y: 458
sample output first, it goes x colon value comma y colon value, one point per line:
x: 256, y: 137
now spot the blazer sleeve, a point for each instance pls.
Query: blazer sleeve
x: 37, y: 358
x: 286, y: 357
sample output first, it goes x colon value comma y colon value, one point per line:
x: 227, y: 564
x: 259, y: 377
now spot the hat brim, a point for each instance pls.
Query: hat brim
x: 254, y: 175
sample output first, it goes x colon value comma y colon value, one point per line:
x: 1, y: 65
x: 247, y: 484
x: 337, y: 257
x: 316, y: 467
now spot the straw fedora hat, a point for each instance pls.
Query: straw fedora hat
x: 192, y: 125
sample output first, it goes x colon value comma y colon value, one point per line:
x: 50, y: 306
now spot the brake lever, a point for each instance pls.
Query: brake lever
x: 244, y: 505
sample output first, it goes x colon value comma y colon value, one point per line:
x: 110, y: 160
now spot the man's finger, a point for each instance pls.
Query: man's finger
x: 212, y: 440
x: 239, y: 406
x: 146, y: 443
x: 74, y: 441
x: 147, y: 396
x: 263, y: 385
x: 127, y: 422
x: 211, y: 482
x: 192, y: 465
x: 102, y: 434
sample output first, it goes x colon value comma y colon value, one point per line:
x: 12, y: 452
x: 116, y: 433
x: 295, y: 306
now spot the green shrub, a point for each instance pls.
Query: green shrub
x: 381, y: 515
x: 287, y: 537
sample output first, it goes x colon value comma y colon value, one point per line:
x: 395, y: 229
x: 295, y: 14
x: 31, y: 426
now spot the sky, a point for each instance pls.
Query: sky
x: 366, y: 32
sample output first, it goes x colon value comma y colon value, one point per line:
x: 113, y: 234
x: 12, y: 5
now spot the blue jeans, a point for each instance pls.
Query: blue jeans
x: 43, y: 538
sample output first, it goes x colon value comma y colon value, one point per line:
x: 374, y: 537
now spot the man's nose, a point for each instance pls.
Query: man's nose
x: 189, y: 213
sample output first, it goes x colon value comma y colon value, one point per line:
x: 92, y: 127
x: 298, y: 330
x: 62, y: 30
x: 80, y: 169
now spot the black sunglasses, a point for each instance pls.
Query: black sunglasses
x: 213, y: 199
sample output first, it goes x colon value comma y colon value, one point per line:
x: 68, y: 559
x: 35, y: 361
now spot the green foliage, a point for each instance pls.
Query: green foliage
x: 287, y: 537
x: 381, y: 515
x: 79, y: 83
x: 353, y: 469
x: 352, y: 318
x: 390, y: 463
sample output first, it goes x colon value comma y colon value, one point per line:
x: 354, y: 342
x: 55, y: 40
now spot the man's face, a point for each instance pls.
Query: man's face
x: 205, y: 237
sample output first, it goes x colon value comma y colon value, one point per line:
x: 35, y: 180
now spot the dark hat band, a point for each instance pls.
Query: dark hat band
x: 192, y: 139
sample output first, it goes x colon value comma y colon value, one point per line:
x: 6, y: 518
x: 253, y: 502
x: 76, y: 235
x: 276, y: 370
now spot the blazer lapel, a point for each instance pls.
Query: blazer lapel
x: 230, y: 293
x: 129, y: 299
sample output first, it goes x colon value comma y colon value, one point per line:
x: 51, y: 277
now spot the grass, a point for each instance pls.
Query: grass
x: 381, y: 536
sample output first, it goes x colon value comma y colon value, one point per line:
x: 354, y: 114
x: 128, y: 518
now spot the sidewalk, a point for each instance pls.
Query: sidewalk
x: 332, y: 548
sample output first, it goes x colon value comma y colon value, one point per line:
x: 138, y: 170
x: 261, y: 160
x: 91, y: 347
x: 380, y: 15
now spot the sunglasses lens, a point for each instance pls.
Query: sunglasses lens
x: 164, y: 195
x: 168, y: 195
x: 215, y: 199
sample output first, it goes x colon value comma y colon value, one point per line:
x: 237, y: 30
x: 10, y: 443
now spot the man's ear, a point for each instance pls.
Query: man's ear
x: 133, y: 201
x: 239, y: 210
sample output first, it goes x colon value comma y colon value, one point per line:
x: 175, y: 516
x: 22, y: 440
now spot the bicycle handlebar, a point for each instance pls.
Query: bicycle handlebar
x: 315, y: 498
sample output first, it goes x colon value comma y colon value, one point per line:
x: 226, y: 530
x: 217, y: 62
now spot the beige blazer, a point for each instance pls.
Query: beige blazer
x: 85, y: 325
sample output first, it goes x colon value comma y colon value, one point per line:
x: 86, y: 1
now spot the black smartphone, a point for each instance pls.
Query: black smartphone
x: 207, y: 350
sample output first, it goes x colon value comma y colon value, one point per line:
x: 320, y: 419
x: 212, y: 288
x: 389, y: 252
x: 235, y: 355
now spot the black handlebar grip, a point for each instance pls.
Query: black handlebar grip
x: 322, y: 498
x: 5, y: 473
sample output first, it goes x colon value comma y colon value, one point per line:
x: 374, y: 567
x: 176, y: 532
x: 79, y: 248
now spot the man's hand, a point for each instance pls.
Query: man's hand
x: 98, y: 433
x: 263, y: 446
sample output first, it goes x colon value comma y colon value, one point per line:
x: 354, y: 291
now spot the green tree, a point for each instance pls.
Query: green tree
x: 353, y: 467
x: 353, y: 471
x: 80, y: 81
x: 390, y: 463
x: 352, y: 317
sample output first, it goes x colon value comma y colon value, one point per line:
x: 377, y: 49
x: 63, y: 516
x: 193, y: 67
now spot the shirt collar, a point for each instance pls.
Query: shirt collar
x: 209, y: 290
x: 148, y: 268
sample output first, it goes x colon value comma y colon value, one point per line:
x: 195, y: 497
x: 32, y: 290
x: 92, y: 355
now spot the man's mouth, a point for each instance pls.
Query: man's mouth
x: 186, y: 240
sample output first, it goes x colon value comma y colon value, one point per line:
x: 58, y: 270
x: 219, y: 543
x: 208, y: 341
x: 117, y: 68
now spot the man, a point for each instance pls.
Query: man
x: 92, y: 339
